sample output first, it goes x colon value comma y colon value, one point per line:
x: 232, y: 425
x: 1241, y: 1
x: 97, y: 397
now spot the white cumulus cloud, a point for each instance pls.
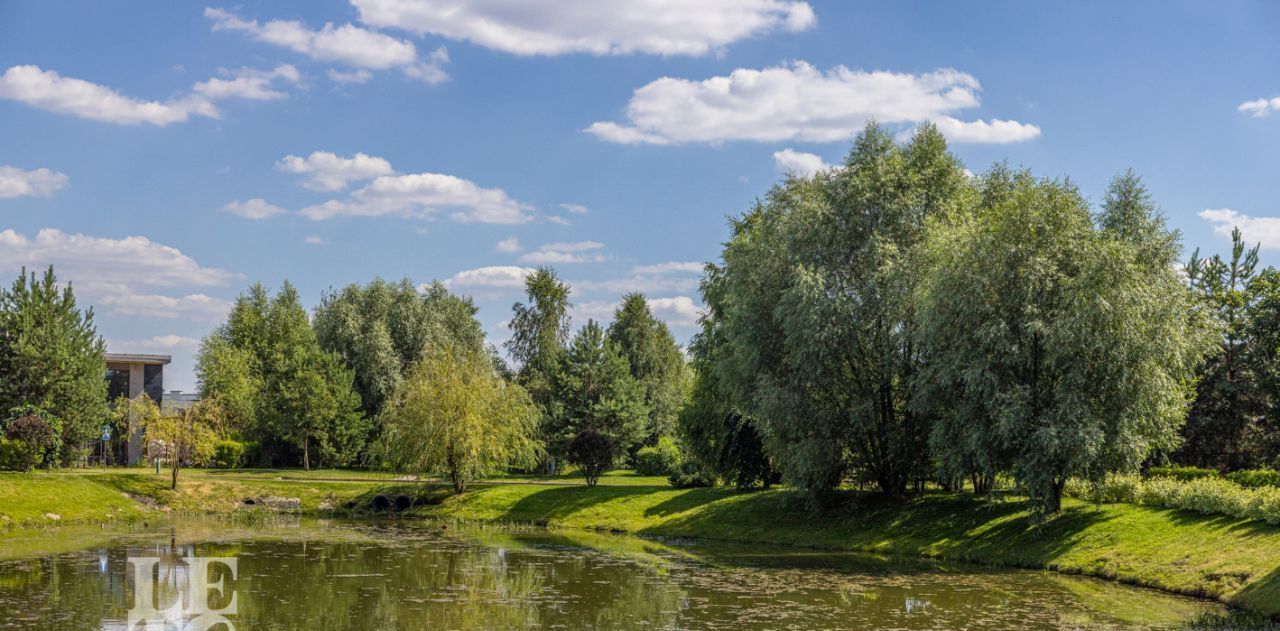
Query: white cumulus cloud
x: 120, y: 276
x: 347, y: 44
x: 248, y: 83
x: 15, y: 182
x: 510, y: 245
x: 671, y: 267
x: 354, y: 76
x: 577, y: 209
x: 1260, y: 107
x: 565, y: 253
x: 798, y: 102
x: 491, y: 277
x: 597, y: 27
x: 156, y: 343
x: 48, y: 90
x: 1264, y: 230
x: 799, y: 162
x: 330, y: 172
x: 679, y: 310
x: 256, y: 208
x: 421, y: 195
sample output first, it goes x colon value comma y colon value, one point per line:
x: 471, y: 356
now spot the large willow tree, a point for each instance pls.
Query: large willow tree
x: 814, y: 302
x: 1059, y: 343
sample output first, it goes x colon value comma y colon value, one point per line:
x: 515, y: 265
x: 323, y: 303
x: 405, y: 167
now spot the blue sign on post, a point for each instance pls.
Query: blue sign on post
x: 106, y: 433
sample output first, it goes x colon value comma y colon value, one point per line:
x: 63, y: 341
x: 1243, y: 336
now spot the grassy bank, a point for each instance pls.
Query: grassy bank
x: 1232, y: 560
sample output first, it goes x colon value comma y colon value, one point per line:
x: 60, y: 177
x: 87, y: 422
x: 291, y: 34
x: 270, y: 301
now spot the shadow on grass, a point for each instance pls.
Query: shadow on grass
x: 558, y: 503
x: 1261, y: 594
x: 146, y: 485
x: 955, y: 526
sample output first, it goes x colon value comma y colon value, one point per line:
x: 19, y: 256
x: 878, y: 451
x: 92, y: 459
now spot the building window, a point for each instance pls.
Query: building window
x: 153, y: 382
x: 117, y: 383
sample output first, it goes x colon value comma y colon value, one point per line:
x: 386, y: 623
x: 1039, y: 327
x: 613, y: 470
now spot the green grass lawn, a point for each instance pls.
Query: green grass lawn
x: 1232, y: 560
x: 34, y: 499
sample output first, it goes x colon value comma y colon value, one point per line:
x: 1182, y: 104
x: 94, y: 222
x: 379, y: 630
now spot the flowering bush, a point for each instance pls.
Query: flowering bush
x: 1207, y: 495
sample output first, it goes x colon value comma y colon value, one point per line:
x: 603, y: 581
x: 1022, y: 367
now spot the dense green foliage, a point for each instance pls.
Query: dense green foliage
x: 1235, y: 421
x: 1182, y: 473
x: 381, y: 329
x: 228, y: 454
x: 655, y: 361
x: 34, y: 439
x: 661, y: 459
x: 598, y: 413
x: 814, y: 306
x: 1057, y: 346
x: 454, y: 414
x: 52, y: 358
x: 896, y: 321
x: 539, y: 331
x: 278, y: 387
x: 1253, y: 478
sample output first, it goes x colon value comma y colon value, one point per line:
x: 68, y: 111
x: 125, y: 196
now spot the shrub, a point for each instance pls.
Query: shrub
x: 690, y: 475
x: 1253, y: 478
x: 1209, y: 495
x: 1182, y: 473
x: 13, y: 455
x: 662, y: 459
x: 593, y: 453
x: 1116, y: 488
x: 39, y: 437
x: 228, y: 454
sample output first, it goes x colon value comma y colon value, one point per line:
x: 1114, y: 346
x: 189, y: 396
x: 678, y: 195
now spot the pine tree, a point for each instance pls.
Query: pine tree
x: 655, y: 360
x: 598, y: 413
x: 51, y: 357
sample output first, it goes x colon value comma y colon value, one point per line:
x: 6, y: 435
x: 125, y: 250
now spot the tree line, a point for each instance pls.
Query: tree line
x: 391, y: 375
x: 895, y: 322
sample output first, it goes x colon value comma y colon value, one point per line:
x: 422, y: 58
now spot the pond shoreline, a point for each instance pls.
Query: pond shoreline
x: 1236, y: 562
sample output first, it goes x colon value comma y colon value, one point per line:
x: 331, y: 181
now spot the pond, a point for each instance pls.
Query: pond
x: 319, y: 575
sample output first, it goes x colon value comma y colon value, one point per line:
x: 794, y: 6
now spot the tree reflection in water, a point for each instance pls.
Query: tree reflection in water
x: 373, y: 576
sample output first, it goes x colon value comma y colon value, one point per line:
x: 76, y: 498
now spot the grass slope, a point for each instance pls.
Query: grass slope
x: 28, y: 500
x: 1231, y: 560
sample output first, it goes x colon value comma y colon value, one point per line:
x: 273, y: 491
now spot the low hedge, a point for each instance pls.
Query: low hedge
x: 1182, y: 473
x: 1254, y: 478
x: 1209, y: 495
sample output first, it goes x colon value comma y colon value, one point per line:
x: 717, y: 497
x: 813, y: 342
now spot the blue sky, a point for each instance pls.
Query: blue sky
x: 164, y: 155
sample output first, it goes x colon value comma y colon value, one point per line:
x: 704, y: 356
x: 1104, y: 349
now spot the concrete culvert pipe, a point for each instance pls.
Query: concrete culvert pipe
x: 249, y: 501
x: 403, y: 502
x: 380, y: 503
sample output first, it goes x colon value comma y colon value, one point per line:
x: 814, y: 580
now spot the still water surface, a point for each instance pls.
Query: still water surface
x: 321, y: 575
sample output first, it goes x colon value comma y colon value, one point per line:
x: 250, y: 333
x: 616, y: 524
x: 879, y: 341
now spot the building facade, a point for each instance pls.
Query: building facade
x: 130, y: 375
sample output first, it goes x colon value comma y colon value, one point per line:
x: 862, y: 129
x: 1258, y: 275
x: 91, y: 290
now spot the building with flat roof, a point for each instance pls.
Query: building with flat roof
x: 129, y: 375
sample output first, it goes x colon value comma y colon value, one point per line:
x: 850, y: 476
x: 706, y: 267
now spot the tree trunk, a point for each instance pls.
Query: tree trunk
x: 306, y: 452
x: 1053, y: 503
x: 174, y: 485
